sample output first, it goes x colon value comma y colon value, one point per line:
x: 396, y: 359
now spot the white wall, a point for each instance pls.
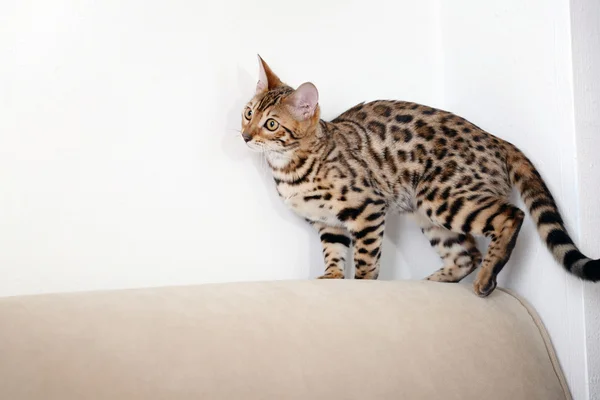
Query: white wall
x: 508, y: 69
x: 585, y: 18
x: 120, y: 164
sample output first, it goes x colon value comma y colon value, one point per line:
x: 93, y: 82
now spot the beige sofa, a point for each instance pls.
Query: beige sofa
x: 277, y: 340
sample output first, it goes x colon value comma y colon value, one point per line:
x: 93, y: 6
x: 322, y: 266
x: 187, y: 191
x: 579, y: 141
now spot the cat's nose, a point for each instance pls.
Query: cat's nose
x: 247, y: 137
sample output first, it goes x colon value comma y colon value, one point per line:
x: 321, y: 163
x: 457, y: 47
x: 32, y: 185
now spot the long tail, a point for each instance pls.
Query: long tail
x: 543, y: 210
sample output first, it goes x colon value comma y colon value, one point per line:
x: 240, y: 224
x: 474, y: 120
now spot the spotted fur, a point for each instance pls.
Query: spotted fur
x: 343, y: 176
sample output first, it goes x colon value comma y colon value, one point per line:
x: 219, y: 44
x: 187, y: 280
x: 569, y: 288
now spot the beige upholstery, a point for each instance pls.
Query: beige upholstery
x: 281, y: 340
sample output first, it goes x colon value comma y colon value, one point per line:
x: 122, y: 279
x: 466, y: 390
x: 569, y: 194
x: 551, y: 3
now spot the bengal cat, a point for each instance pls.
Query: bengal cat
x: 343, y: 176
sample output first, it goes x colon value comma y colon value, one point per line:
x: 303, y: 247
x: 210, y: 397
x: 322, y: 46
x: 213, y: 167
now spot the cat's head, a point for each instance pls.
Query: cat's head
x: 279, y: 118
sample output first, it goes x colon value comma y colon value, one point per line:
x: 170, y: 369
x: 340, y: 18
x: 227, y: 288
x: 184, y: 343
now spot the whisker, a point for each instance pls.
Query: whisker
x: 263, y: 164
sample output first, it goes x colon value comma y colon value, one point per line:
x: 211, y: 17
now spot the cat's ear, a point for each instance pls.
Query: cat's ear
x: 267, y: 80
x: 303, y: 102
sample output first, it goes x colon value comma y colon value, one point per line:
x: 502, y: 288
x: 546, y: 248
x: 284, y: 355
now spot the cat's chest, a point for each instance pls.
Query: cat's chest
x: 310, y: 203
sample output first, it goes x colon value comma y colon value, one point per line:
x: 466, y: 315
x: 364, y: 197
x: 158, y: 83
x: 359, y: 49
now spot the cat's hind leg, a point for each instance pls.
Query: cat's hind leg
x: 458, y: 252
x: 486, y: 215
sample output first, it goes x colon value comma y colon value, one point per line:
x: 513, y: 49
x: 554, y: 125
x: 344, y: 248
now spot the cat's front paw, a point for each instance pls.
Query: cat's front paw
x: 367, y: 276
x: 332, y: 275
x: 440, y: 276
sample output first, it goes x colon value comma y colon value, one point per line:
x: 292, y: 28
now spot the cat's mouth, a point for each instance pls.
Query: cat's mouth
x: 259, y: 147
x: 256, y: 147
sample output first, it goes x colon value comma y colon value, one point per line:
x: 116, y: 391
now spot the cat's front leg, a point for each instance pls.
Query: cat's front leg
x: 335, y: 243
x: 367, y: 236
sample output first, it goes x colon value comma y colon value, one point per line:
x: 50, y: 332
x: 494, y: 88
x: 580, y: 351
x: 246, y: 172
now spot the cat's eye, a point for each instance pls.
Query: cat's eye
x: 271, y: 124
x: 248, y: 114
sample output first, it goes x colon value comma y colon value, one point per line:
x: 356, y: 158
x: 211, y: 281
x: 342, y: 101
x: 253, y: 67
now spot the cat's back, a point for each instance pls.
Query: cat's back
x: 395, y: 112
x: 398, y: 136
x: 386, y: 123
x: 386, y: 111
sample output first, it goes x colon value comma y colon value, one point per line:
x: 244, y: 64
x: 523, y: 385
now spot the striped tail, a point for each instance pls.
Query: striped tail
x: 543, y: 210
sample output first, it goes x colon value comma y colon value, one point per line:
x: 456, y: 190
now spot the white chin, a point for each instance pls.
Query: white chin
x: 278, y: 160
